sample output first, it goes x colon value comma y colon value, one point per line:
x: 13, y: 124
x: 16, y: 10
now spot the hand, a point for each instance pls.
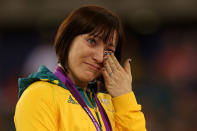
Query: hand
x: 117, y: 79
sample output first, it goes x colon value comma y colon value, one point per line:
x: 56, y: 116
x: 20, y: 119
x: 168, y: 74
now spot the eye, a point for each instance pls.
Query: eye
x: 92, y: 41
x: 111, y: 50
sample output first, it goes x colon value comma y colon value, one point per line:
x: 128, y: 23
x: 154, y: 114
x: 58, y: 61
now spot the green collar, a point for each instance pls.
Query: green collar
x: 44, y: 74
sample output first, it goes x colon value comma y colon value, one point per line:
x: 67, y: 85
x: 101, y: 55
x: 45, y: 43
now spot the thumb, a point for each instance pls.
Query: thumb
x: 127, y: 66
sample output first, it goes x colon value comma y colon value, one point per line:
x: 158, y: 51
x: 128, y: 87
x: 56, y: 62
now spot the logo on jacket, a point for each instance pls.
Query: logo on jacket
x: 104, y: 101
x: 107, y: 104
x: 70, y: 100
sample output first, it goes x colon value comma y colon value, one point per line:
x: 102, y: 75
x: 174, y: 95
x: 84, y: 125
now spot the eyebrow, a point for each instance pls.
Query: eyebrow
x: 100, y: 38
x: 96, y: 36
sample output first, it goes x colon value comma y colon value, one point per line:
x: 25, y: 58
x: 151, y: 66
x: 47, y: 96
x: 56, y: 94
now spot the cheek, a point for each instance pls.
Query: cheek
x: 83, y: 55
x: 74, y: 62
x: 77, y: 58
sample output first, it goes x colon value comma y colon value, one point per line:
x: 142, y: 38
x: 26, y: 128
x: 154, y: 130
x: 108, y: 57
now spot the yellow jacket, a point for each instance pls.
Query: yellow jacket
x: 45, y: 105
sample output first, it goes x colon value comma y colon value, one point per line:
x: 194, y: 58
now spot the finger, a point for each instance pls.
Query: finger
x: 105, y: 75
x: 111, y: 63
x: 127, y: 66
x: 116, y: 62
x: 107, y: 66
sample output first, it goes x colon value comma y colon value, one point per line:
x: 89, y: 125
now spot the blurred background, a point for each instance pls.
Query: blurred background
x: 161, y: 39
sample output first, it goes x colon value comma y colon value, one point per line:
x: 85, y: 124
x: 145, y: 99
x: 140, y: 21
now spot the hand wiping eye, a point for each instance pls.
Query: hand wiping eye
x: 117, y: 79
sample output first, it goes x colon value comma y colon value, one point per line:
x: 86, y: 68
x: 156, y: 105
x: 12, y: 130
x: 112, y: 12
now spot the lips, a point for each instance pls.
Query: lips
x: 92, y: 66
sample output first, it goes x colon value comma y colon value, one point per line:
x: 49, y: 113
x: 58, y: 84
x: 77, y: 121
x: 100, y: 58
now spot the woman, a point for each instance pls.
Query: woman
x: 88, y: 46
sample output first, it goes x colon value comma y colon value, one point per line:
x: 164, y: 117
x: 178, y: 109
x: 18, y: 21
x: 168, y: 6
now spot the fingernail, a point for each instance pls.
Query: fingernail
x: 130, y: 60
x: 105, y: 53
x: 109, y: 53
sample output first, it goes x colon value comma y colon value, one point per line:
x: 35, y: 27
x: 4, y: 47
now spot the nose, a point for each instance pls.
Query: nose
x: 99, y: 54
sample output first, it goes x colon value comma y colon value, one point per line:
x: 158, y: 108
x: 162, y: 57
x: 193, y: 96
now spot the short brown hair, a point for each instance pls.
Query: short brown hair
x: 91, y: 19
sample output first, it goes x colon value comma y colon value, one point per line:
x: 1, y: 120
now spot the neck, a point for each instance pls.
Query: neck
x: 75, y: 80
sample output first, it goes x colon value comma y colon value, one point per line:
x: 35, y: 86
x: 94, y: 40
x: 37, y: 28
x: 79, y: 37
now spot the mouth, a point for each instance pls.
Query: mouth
x: 94, y: 67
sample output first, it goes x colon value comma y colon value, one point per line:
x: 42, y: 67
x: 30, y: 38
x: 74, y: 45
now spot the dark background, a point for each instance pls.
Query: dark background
x: 161, y: 39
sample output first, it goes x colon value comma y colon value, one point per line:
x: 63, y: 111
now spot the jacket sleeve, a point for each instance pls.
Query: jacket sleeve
x: 35, y: 110
x: 128, y: 115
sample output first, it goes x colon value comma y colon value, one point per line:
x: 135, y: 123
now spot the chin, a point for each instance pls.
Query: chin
x: 87, y: 77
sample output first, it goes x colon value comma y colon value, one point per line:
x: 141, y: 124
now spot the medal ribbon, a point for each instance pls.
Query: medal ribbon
x: 63, y: 77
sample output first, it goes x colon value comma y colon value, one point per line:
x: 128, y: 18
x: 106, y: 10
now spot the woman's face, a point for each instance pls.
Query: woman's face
x: 86, y: 55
